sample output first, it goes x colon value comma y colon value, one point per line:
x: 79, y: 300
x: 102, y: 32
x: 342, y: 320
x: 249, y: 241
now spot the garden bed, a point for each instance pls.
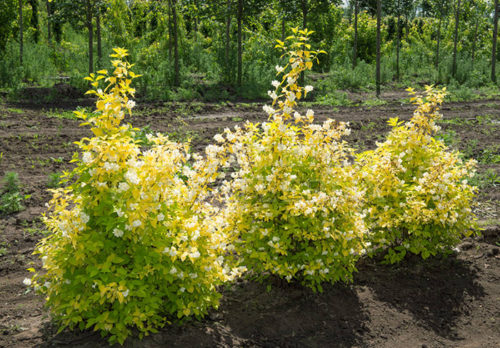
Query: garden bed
x: 451, y: 302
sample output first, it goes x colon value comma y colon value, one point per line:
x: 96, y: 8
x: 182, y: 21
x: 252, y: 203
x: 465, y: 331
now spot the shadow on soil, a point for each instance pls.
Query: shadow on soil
x: 435, y: 292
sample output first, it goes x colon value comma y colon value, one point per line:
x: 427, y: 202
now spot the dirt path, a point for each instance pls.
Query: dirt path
x: 436, y: 303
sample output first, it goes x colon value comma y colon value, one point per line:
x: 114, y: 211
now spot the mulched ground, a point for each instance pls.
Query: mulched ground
x: 452, y: 302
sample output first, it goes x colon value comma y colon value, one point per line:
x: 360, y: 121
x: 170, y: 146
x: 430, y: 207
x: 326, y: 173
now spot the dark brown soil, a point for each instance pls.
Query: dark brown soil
x: 452, y: 302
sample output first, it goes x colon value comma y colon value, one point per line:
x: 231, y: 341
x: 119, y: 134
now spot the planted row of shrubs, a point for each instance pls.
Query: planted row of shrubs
x: 139, y: 237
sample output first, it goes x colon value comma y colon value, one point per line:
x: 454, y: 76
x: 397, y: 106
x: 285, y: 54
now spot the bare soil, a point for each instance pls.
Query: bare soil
x: 440, y: 302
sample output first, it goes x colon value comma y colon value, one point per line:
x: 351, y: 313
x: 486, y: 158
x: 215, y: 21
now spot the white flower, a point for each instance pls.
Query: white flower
x: 173, y: 270
x: 275, y: 84
x: 272, y: 94
x: 279, y: 69
x: 309, y: 88
x: 269, y: 110
x: 84, y: 217
x: 87, y: 157
x: 27, y: 281
x: 310, y: 113
x: 130, y: 104
x: 117, y: 233
x: 136, y: 223
x: 123, y: 186
x: 160, y: 217
x: 132, y: 177
x: 219, y: 138
x: 111, y: 167
x: 125, y: 293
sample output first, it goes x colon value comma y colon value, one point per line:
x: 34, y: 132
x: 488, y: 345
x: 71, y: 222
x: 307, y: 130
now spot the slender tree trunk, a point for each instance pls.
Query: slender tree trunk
x: 170, y: 30
x: 305, y: 9
x: 49, y: 24
x: 494, y: 48
x: 91, y: 36
x: 455, y: 40
x: 473, y: 48
x: 176, y: 43
x: 398, y: 41
x: 21, y: 29
x: 436, y: 63
x: 355, y: 46
x: 195, y: 22
x: 99, y: 39
x: 240, y: 47
x: 377, y: 71
x: 34, y: 19
x: 227, y: 63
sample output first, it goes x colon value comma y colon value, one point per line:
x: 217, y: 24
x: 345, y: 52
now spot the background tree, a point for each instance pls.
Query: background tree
x: 494, y: 44
x: 377, y: 70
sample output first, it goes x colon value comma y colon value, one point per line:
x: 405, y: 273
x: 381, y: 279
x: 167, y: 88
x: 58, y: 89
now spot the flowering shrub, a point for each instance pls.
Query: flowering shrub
x: 133, y: 238
x: 293, y: 202
x: 417, y: 194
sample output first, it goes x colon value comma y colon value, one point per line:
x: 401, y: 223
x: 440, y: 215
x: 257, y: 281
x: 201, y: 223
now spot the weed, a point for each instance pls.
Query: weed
x: 486, y: 179
x: 3, y: 248
x: 54, y: 180
x: 449, y: 138
x: 65, y: 115
x: 374, y: 102
x: 10, y: 196
x: 15, y: 110
x: 369, y: 126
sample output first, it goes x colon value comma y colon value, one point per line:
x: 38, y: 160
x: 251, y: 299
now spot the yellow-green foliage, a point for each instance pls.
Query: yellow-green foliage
x: 293, y: 203
x: 417, y: 194
x: 133, y: 239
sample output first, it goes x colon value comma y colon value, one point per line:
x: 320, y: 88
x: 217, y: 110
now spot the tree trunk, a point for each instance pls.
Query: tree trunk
x: 49, y: 24
x: 455, y: 40
x: 21, y: 29
x: 170, y: 30
x: 34, y: 19
x: 176, y: 43
x: 99, y: 40
x: 91, y: 36
x: 304, y: 14
x: 398, y: 41
x: 436, y: 63
x: 473, y: 48
x: 377, y: 71
x: 195, y: 22
x: 240, y: 47
x: 355, y: 46
x: 494, y: 48
x: 227, y: 63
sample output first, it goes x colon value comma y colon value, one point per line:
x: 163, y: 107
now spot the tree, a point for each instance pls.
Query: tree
x: 176, y: 44
x: 21, y: 29
x: 377, y: 71
x: 227, y: 67
x: 455, y: 38
x: 34, y: 19
x: 240, y: 47
x: 494, y: 46
x: 355, y: 45
x: 8, y: 10
x: 90, y: 28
